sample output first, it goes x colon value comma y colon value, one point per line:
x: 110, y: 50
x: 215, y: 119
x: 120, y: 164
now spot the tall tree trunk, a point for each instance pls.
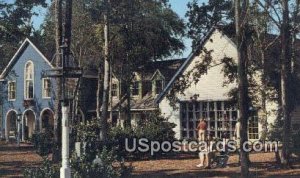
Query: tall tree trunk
x: 240, y: 24
x: 127, y: 122
x: 57, y: 115
x: 110, y: 92
x: 68, y: 25
x: 99, y: 92
x: 263, y: 93
x: 295, y: 30
x: 285, y: 77
x: 104, y: 113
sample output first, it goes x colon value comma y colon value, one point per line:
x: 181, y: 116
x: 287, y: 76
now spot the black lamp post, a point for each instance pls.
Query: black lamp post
x: 19, y: 116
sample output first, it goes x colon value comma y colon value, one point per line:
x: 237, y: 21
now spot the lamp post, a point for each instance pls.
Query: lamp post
x: 19, y: 115
x: 67, y: 70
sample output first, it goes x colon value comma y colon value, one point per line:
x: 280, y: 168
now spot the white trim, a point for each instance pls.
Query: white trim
x: 40, y: 53
x: 158, y: 71
x: 29, y: 110
x: 5, y: 71
x: 6, y: 117
x: 25, y: 80
x: 41, y: 118
x: 8, y: 90
x: 82, y: 114
x: 35, y: 118
x: 43, y: 89
x: 45, y: 109
x: 114, y: 77
x: 190, y: 58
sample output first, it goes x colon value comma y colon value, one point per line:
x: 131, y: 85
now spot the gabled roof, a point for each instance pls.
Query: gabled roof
x: 167, y: 68
x: 18, y: 53
x: 157, y: 72
x: 186, y: 63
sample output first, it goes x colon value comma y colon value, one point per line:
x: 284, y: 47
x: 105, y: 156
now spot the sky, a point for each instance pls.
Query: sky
x: 179, y: 6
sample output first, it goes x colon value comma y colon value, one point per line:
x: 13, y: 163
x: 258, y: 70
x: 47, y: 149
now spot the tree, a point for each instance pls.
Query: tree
x: 58, y: 89
x: 106, y: 81
x: 16, y: 25
x: 140, y: 32
x: 285, y: 16
x: 241, y: 16
x: 202, y: 17
x: 285, y: 80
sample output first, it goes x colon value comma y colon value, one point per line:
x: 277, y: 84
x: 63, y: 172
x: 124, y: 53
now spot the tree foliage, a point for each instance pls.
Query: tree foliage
x: 202, y: 17
x: 15, y: 25
x: 85, y: 46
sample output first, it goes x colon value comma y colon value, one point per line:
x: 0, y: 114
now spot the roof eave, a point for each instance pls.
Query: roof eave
x: 26, y: 41
x: 184, y: 65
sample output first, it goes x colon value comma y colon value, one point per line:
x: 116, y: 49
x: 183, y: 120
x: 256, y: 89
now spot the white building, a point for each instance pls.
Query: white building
x: 209, y: 97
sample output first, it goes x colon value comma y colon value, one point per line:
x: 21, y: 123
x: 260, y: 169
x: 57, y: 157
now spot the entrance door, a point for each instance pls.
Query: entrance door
x: 29, y: 117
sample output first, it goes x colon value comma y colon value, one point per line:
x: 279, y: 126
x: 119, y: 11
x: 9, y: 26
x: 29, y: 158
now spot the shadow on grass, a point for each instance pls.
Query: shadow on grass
x: 191, y: 174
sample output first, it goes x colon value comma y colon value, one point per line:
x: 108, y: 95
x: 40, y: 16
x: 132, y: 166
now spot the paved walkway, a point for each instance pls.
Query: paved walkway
x: 14, y: 159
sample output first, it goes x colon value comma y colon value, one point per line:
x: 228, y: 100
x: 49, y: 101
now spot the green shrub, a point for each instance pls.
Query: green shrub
x: 276, y: 130
x: 105, y: 165
x: 42, y: 142
x: 153, y: 128
x: 46, y: 170
x: 84, y: 165
x: 296, y: 140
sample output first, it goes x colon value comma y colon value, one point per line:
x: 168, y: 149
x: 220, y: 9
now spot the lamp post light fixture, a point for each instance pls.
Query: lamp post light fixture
x: 67, y: 70
x: 19, y: 116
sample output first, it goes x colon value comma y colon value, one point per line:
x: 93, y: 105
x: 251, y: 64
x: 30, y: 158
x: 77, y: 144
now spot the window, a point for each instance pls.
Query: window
x: 11, y: 90
x: 135, y: 88
x: 29, y: 80
x: 69, y: 92
x: 114, y: 89
x: 46, y: 88
x: 253, y: 128
x: 158, y: 86
x: 220, y: 120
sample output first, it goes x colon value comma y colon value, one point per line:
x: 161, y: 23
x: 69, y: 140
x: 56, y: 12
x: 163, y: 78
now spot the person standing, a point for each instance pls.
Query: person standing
x: 237, y: 130
x: 202, y: 128
x: 206, y: 153
x: 237, y: 133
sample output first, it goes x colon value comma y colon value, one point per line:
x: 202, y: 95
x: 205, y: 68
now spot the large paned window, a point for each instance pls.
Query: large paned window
x: 29, y: 79
x: 12, y: 90
x: 221, y: 117
x: 135, y: 88
x: 46, y: 88
x: 253, y: 128
x: 158, y: 86
x: 114, y: 90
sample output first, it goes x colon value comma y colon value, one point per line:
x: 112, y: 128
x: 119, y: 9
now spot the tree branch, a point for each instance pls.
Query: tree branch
x: 271, y: 17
